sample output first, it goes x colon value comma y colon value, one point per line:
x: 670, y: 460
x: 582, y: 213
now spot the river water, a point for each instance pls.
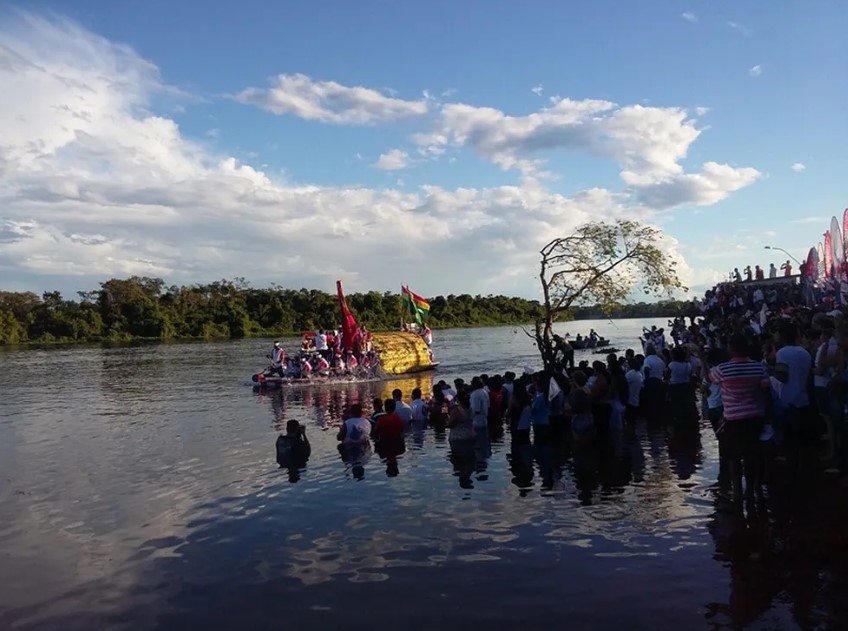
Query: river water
x: 139, y: 489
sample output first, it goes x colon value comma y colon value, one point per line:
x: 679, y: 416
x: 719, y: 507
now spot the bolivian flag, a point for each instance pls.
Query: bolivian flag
x: 415, y: 305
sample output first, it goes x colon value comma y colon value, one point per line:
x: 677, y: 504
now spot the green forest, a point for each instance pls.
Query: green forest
x: 146, y: 308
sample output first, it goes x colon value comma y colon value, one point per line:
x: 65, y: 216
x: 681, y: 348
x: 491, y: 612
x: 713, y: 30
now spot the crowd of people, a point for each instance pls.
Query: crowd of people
x: 768, y: 372
x: 758, y: 273
x: 323, y: 353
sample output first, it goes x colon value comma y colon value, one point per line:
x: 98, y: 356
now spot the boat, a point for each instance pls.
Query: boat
x: 587, y: 342
x: 381, y: 356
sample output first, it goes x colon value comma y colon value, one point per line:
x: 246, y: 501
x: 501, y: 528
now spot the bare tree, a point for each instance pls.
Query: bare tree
x: 600, y: 264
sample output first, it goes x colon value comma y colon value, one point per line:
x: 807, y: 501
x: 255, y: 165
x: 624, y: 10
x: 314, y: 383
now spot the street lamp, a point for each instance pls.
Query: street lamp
x: 771, y: 247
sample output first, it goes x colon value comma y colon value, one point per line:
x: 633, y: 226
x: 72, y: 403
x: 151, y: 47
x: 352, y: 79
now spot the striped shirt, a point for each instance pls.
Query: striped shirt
x: 744, y: 385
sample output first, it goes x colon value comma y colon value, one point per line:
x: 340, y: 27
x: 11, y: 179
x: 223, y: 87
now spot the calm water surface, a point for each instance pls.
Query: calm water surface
x: 139, y: 489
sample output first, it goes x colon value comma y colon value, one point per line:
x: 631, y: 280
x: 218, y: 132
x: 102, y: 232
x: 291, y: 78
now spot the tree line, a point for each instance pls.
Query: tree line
x: 145, y: 308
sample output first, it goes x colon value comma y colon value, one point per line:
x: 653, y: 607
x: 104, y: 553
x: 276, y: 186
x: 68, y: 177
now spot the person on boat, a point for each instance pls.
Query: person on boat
x: 427, y: 335
x: 787, y: 268
x: 278, y: 359
x: 305, y: 367
x: 322, y: 365
x: 339, y: 362
x: 352, y: 362
x: 320, y: 341
x: 748, y: 273
x: 737, y: 277
x: 758, y: 273
x: 356, y: 429
x: 772, y: 271
x: 579, y: 340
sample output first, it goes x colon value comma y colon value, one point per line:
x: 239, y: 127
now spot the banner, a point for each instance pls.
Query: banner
x: 417, y: 306
x: 828, y: 255
x: 349, y: 329
x: 838, y: 248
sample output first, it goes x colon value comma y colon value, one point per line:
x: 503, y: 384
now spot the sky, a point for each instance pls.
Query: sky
x: 437, y: 144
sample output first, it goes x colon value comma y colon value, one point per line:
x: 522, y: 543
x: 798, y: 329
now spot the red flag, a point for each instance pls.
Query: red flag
x: 349, y: 328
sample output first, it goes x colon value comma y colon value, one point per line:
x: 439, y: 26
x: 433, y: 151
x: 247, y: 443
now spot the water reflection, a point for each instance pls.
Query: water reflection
x: 139, y: 506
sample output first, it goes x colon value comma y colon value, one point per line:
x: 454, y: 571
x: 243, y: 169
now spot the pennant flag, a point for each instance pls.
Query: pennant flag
x: 349, y: 328
x: 553, y: 389
x: 417, y: 306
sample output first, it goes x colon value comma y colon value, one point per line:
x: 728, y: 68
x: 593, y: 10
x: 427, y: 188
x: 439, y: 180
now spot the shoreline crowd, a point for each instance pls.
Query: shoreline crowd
x: 767, y: 370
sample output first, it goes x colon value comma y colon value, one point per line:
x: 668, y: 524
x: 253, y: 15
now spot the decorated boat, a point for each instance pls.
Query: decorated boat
x: 353, y: 355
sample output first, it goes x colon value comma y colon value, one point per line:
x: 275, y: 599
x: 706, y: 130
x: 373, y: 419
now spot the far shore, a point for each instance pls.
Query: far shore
x: 141, y: 341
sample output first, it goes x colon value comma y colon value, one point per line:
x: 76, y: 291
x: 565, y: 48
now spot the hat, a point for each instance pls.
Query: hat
x: 276, y: 344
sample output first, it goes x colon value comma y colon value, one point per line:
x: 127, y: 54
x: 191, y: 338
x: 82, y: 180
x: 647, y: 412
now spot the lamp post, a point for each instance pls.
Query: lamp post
x: 771, y: 247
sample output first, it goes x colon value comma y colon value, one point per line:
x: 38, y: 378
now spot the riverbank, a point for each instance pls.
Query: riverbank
x: 293, y: 335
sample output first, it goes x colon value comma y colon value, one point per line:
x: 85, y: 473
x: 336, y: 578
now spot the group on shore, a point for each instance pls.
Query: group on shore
x: 766, y: 372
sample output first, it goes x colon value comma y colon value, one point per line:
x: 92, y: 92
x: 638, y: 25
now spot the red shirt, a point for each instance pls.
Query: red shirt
x: 389, y: 427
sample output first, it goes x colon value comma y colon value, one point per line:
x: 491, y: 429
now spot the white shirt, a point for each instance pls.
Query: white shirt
x: 681, y: 372
x: 772, y: 272
x: 404, y: 411
x: 758, y: 295
x: 357, y: 430
x: 320, y: 342
x: 799, y: 363
x: 479, y: 408
x: 418, y: 410
x: 634, y: 387
x: 654, y: 367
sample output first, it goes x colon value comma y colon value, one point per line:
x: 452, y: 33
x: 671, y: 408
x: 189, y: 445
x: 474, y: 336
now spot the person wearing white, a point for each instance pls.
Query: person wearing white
x: 320, y: 341
x: 772, y: 271
x: 356, y: 430
x: 402, y: 409
x: 479, y: 405
x: 418, y: 409
x: 634, y: 386
x: 654, y: 367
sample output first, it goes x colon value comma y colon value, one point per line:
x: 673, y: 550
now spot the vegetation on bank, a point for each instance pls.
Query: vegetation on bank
x: 145, y: 308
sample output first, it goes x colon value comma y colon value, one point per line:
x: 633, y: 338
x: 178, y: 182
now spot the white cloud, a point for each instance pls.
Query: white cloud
x: 95, y: 182
x: 756, y: 71
x: 330, y: 102
x: 806, y: 220
x: 798, y: 167
x: 702, y: 111
x: 537, y: 89
x: 736, y: 26
x: 394, y: 160
x: 648, y: 142
x: 689, y: 17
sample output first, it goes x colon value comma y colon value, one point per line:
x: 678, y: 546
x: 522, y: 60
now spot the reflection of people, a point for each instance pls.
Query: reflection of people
x: 293, y: 449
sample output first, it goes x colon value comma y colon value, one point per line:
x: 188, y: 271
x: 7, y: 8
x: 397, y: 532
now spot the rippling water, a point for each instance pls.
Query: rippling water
x: 139, y: 489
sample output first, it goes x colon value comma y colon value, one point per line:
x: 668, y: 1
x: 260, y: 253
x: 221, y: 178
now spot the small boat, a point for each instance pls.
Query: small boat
x: 588, y: 342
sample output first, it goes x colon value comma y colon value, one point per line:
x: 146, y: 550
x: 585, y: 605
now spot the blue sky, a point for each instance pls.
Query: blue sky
x: 632, y: 102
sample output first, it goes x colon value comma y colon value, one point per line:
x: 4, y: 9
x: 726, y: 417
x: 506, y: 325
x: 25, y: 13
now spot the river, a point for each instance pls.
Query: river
x: 139, y: 489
